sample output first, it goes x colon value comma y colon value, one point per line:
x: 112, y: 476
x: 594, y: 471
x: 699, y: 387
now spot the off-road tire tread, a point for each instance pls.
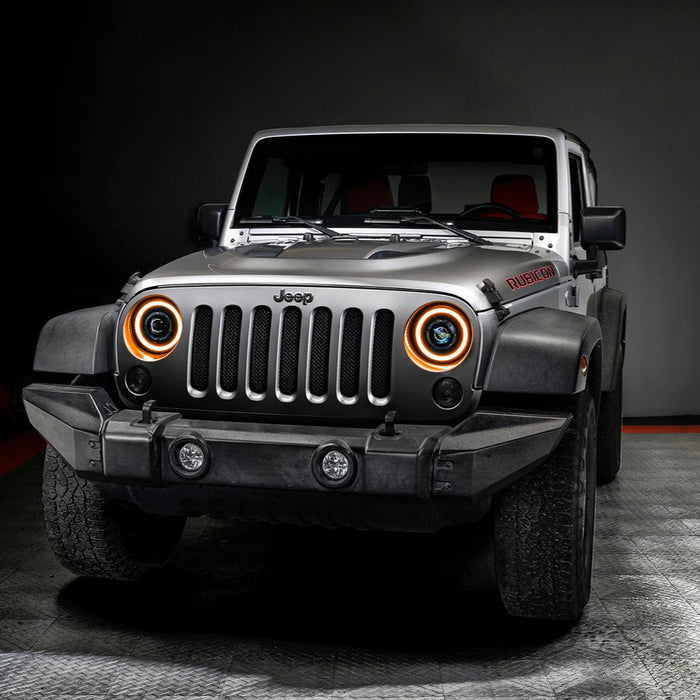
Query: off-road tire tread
x: 542, y: 565
x: 92, y: 536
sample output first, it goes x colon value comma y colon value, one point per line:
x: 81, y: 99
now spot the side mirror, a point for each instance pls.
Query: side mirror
x: 603, y: 228
x: 210, y: 219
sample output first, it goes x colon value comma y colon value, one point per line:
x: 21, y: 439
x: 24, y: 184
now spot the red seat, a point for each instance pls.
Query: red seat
x: 517, y: 192
x: 365, y: 195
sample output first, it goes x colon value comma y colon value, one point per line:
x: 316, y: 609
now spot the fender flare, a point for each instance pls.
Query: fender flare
x: 539, y: 352
x: 609, y: 306
x: 78, y: 342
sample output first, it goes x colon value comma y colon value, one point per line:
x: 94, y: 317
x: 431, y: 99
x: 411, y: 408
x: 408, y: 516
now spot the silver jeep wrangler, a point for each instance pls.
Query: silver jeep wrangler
x: 404, y: 328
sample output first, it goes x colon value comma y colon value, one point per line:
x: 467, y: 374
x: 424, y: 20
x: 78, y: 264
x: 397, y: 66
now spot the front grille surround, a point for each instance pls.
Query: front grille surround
x: 338, y: 357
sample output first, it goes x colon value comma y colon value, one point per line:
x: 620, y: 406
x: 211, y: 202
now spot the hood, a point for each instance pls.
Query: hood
x: 458, y: 268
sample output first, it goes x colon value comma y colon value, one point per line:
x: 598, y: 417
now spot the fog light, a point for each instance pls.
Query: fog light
x: 447, y: 392
x: 334, y: 465
x: 138, y: 380
x: 189, y: 456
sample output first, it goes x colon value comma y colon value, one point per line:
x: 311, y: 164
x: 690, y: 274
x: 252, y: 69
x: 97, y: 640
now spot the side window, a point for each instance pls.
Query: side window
x: 577, y: 197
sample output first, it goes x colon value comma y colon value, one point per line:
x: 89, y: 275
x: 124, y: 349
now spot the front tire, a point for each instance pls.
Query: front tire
x: 93, y: 536
x: 543, y: 527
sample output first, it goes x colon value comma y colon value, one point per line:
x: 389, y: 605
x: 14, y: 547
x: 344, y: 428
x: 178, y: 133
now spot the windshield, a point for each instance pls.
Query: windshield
x: 484, y: 181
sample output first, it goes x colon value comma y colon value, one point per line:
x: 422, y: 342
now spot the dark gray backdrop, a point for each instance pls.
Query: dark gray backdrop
x: 126, y: 115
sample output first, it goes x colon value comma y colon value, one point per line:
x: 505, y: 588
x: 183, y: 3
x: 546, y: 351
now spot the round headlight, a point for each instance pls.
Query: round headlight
x: 152, y: 328
x: 438, y: 337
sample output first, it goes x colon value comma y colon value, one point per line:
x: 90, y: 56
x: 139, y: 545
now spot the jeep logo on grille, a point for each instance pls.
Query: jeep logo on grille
x: 299, y: 298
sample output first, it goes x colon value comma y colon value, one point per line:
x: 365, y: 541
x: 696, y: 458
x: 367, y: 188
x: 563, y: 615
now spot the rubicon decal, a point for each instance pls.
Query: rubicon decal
x: 299, y: 298
x: 532, y: 277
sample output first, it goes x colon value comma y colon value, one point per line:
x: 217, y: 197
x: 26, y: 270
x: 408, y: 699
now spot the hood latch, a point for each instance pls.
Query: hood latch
x: 494, y: 298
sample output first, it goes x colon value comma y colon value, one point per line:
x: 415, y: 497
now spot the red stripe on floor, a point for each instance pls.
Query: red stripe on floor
x: 19, y: 448
x: 661, y: 428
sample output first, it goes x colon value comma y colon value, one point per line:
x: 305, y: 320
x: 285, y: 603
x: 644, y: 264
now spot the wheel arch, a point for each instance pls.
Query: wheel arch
x: 78, y: 342
x: 609, y: 306
x: 540, y: 352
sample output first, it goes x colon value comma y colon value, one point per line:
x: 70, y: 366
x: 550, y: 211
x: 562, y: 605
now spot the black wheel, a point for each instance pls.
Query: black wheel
x: 610, y: 429
x: 543, y: 528
x: 93, y: 536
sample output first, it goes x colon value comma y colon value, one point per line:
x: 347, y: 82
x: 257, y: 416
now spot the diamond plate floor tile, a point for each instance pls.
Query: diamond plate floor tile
x: 5, y: 572
x: 139, y: 679
x: 679, y: 680
x: 687, y: 583
x: 291, y: 682
x: 21, y: 635
x: 623, y: 563
x: 627, y: 678
x: 8, y: 661
x: 77, y: 636
x: 49, y: 675
x: 629, y: 585
x: 466, y: 679
x: 213, y: 651
x: 692, y: 524
x: 657, y: 612
x: 28, y: 595
x: 14, y: 556
x: 386, y: 678
x: 681, y: 642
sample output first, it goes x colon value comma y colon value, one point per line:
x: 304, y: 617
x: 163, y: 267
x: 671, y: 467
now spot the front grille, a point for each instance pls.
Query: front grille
x: 292, y: 351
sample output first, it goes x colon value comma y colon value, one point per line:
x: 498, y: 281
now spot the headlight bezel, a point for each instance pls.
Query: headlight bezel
x: 418, y: 347
x: 134, y: 335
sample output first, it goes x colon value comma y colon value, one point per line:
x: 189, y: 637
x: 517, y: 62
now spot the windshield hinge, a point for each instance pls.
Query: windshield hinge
x: 126, y: 289
x: 240, y: 237
x: 495, y: 299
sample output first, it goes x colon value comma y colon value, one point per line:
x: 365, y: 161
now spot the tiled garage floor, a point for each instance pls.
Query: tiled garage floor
x: 251, y: 611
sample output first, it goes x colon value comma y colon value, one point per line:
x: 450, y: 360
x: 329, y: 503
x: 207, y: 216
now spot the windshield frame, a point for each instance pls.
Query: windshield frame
x: 299, y: 145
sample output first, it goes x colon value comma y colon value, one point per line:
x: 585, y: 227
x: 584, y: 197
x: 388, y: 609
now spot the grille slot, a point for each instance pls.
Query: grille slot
x: 230, y: 348
x: 201, y: 339
x: 380, y: 381
x: 351, y: 345
x: 290, y: 335
x: 259, y: 349
x: 319, y: 351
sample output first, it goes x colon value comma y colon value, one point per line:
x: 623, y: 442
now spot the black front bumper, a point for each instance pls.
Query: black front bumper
x: 252, y: 462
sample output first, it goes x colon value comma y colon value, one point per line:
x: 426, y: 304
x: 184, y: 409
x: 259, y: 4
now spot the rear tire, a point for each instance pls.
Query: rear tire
x: 543, y: 527
x: 93, y: 536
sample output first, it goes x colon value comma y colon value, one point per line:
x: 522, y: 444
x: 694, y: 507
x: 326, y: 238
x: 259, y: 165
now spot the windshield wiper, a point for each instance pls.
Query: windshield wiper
x: 311, y: 225
x: 416, y: 216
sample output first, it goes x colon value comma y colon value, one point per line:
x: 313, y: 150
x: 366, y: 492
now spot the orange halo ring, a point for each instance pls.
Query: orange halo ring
x: 137, y: 343
x: 419, y: 352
